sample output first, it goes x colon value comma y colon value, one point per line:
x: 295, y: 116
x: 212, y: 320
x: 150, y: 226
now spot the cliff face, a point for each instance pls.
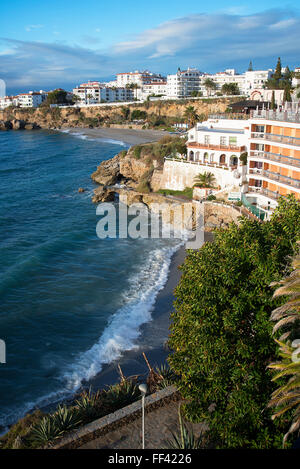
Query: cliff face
x: 125, y: 168
x: 46, y: 118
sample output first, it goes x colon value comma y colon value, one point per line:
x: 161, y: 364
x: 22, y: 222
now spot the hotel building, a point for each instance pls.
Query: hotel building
x: 274, y: 156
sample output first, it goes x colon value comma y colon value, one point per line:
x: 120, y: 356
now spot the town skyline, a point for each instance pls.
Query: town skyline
x: 38, y: 52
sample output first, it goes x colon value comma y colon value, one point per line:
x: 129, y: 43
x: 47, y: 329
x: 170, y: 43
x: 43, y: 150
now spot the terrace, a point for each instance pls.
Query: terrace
x: 286, y: 115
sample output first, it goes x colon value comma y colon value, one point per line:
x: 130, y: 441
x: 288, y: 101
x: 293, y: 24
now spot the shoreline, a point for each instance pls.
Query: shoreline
x: 128, y: 136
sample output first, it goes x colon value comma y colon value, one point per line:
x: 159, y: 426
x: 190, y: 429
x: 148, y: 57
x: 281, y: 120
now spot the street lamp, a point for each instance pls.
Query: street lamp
x: 143, y: 389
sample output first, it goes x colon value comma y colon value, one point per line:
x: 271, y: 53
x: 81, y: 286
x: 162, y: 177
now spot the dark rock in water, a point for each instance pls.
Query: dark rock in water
x: 5, y: 125
x: 103, y: 194
x: 81, y: 189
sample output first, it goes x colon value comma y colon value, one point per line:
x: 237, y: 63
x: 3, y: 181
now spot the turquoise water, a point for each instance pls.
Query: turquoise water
x: 70, y: 302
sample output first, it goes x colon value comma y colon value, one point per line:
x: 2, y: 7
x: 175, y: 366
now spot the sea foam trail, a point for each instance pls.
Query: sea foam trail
x: 83, y: 136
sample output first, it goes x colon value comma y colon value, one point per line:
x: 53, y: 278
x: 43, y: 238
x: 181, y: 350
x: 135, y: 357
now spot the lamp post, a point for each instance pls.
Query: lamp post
x: 143, y: 389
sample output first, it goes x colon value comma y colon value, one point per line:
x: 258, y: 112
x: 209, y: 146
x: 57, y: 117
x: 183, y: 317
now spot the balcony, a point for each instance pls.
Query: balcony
x: 276, y: 157
x: 279, y: 178
x: 208, y: 146
x: 276, y: 138
x: 266, y: 192
x: 283, y: 116
x: 212, y: 164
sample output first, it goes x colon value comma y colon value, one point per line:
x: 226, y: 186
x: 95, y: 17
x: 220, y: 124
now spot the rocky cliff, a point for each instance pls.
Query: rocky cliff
x: 47, y: 118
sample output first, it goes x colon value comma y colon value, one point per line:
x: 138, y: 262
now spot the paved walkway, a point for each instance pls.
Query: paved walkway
x: 159, y: 425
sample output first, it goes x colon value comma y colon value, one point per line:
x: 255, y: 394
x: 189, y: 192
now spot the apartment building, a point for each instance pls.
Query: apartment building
x: 138, y: 78
x: 31, y: 99
x: 156, y: 88
x: 96, y: 92
x: 7, y: 101
x: 274, y: 156
x: 226, y: 77
x: 183, y: 83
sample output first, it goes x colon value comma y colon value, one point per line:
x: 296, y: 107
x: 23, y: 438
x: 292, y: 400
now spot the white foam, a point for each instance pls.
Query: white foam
x: 119, y: 336
x: 83, y: 136
x: 124, y: 327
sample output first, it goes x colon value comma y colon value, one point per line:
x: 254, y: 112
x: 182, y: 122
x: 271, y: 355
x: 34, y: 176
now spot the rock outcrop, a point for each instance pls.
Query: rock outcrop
x: 97, y: 116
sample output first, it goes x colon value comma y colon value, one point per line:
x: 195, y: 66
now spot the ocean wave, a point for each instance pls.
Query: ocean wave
x: 123, y: 328
x: 119, y: 336
x: 83, y: 136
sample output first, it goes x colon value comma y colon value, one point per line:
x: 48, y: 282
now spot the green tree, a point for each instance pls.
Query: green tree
x: 250, y: 67
x: 277, y: 74
x: 210, y: 85
x: 273, y: 103
x: 287, y: 94
x: 57, y: 97
x: 221, y: 335
x: 230, y: 88
x: 191, y: 115
x: 205, y: 179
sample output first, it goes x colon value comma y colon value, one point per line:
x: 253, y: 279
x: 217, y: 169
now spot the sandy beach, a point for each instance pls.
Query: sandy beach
x: 128, y: 136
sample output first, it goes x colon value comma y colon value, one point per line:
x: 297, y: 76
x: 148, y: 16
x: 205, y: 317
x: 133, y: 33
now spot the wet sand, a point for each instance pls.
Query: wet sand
x: 128, y: 136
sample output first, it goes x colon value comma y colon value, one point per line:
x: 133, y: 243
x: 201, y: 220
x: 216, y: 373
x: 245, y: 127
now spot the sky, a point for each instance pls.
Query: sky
x: 61, y: 43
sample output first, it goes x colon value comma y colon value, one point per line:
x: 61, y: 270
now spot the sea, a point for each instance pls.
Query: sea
x: 70, y: 303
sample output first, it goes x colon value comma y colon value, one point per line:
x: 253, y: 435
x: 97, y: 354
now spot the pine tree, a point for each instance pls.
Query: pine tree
x: 287, y: 94
x: 250, y: 68
x: 273, y: 104
x: 277, y: 74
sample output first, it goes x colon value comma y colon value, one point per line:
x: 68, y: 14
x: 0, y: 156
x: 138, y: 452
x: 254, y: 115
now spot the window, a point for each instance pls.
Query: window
x: 206, y: 139
x: 223, y: 140
x: 232, y: 141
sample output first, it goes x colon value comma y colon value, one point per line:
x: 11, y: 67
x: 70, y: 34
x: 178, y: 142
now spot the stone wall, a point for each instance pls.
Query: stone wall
x: 177, y: 175
x: 117, y: 419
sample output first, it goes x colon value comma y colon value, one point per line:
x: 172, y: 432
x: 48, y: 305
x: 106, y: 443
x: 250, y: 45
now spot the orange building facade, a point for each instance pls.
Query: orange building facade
x: 274, y: 157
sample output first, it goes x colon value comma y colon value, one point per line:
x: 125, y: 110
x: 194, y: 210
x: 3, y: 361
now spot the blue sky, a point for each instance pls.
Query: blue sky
x: 61, y: 43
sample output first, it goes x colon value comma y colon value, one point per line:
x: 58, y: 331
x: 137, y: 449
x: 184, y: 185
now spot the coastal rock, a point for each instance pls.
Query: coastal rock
x: 5, y: 125
x: 103, y: 194
x: 81, y: 189
x: 107, y: 172
x: 18, y: 124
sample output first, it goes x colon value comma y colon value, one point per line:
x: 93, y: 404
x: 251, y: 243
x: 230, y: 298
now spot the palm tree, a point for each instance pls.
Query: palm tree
x: 287, y: 396
x: 191, y: 115
x: 209, y: 85
x: 206, y: 179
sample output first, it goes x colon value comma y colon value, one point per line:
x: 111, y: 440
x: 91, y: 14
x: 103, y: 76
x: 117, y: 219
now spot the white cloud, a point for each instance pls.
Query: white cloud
x: 33, y: 27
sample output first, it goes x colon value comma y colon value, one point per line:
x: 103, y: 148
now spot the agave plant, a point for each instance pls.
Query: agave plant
x: 166, y: 377
x: 45, y: 431
x: 66, y: 418
x: 287, y: 396
x: 121, y: 394
x: 185, y: 439
x: 88, y: 404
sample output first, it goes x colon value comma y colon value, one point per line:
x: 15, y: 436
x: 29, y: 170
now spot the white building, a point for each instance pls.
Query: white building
x: 95, y: 93
x: 156, y: 88
x: 138, y: 78
x: 183, y: 83
x: 216, y: 146
x: 224, y: 78
x: 255, y: 80
x: 7, y: 101
x: 31, y: 99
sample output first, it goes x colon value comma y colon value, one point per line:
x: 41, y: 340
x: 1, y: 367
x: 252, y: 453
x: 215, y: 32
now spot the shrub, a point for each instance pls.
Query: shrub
x: 211, y: 197
x: 221, y: 335
x: 137, y: 151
